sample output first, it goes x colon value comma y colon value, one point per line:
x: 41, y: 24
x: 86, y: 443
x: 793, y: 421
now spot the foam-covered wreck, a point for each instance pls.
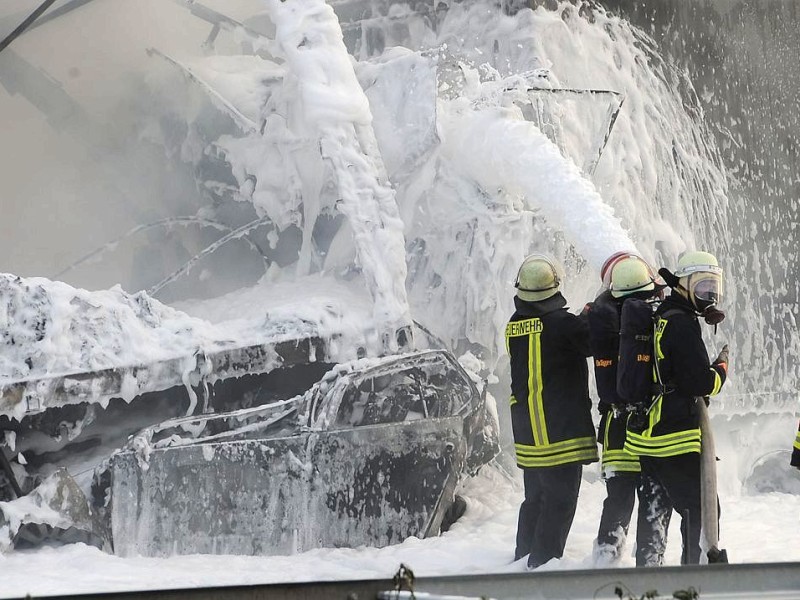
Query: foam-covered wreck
x: 281, y: 444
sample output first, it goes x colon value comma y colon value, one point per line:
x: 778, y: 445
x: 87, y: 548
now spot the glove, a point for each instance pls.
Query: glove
x: 722, y: 358
x: 713, y: 315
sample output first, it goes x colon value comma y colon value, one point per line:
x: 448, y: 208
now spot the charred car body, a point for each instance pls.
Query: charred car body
x: 371, y: 454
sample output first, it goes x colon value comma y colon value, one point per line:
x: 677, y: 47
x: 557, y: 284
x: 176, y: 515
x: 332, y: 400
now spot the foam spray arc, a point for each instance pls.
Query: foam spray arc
x: 521, y: 158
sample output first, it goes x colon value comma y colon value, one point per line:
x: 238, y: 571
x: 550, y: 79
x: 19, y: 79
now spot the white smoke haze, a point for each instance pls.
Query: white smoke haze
x: 113, y: 172
x: 83, y: 172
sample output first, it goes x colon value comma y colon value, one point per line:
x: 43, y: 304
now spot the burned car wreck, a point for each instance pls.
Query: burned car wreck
x: 372, y: 454
x: 249, y: 459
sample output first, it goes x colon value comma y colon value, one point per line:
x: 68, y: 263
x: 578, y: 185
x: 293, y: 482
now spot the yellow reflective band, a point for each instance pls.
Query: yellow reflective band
x: 558, y: 460
x: 621, y: 455
x: 671, y: 444
x: 605, y: 433
x: 660, y: 327
x: 535, y: 400
x: 717, y: 383
x: 667, y: 438
x: 584, y: 442
x: 513, y: 400
x: 655, y: 415
x: 560, y: 453
x: 797, y: 441
x: 622, y: 467
x: 666, y: 451
x: 526, y: 327
x: 678, y: 435
x: 629, y: 466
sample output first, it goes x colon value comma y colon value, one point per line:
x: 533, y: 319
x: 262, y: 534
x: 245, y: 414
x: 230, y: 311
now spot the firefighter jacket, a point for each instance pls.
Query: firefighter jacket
x: 796, y: 450
x: 604, y: 322
x: 684, y: 375
x: 550, y: 406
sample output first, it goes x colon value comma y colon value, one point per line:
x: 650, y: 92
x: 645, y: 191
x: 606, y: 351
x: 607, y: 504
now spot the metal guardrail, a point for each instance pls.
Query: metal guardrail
x: 740, y: 581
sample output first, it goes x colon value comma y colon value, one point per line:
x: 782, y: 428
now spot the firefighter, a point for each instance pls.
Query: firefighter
x: 667, y: 436
x: 550, y: 409
x: 796, y: 450
x: 629, y: 276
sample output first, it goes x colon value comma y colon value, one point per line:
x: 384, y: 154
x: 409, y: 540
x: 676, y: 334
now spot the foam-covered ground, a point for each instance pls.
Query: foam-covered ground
x: 760, y: 528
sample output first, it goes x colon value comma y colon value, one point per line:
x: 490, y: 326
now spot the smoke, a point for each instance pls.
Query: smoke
x: 91, y: 152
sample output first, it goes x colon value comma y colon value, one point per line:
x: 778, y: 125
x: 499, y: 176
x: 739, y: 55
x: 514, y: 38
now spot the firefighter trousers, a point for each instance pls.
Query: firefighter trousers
x: 680, y: 477
x: 652, y: 520
x: 546, y: 514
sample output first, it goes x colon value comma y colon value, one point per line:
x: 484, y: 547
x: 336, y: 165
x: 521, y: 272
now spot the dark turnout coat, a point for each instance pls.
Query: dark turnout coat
x: 672, y: 424
x: 550, y: 405
x: 604, y: 324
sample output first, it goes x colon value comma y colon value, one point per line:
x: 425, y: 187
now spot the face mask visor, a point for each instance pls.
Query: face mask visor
x: 705, y: 289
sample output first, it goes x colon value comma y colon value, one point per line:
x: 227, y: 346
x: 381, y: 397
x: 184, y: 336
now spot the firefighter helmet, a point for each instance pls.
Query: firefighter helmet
x: 608, y: 267
x: 700, y: 279
x: 537, y: 279
x: 629, y: 275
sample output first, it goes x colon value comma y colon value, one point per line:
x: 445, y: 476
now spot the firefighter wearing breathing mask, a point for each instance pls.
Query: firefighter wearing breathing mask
x: 667, y: 438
